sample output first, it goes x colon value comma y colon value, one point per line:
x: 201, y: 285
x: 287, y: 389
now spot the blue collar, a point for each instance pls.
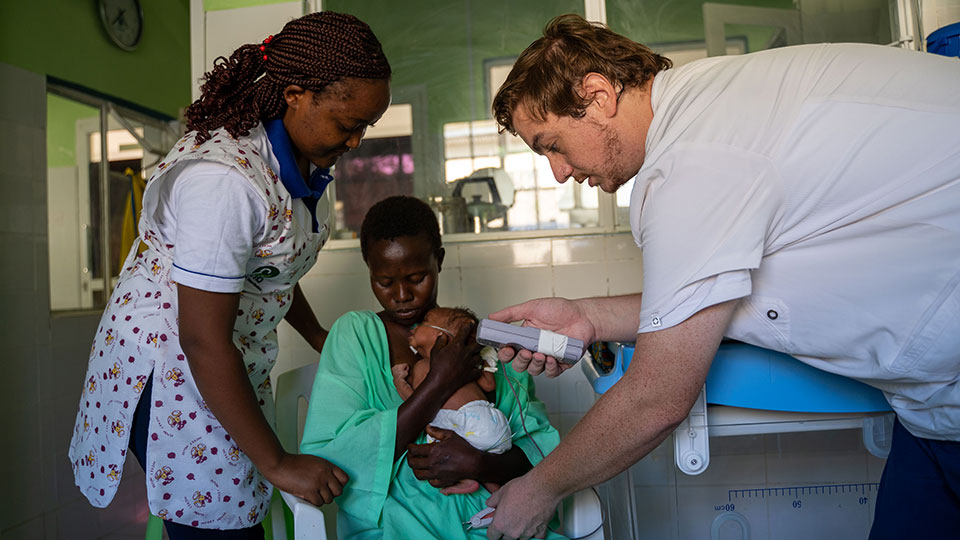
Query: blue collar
x: 289, y: 172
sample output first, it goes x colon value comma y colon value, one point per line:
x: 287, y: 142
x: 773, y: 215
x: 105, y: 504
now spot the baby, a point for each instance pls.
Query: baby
x: 468, y: 412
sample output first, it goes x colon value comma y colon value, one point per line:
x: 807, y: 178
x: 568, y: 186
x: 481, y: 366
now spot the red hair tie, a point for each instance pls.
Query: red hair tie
x: 263, y: 48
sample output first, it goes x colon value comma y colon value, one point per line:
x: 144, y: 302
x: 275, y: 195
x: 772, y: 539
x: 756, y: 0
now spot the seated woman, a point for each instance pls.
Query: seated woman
x: 358, y: 421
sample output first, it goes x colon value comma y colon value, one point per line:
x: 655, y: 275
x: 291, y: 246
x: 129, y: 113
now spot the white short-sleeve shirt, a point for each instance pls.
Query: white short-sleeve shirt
x: 214, y: 217
x: 822, y: 184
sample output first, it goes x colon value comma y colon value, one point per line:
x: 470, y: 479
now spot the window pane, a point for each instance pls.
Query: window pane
x: 92, y: 220
x: 449, y: 59
x: 125, y: 188
x: 377, y: 169
x: 677, y: 30
x: 73, y: 215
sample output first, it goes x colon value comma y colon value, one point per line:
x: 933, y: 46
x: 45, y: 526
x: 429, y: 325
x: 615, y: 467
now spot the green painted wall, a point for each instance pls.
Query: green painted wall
x: 218, y: 5
x: 64, y: 38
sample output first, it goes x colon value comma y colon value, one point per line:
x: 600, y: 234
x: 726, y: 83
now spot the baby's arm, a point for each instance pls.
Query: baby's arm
x: 400, y: 373
x: 466, y: 485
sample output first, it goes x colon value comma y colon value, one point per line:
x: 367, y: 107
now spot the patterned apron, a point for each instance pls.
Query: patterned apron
x: 196, y: 474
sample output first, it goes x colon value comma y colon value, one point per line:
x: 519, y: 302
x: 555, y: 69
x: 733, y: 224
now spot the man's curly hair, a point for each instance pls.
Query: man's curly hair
x: 547, y: 76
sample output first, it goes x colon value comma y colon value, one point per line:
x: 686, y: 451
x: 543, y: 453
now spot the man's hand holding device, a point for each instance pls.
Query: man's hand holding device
x: 558, y: 316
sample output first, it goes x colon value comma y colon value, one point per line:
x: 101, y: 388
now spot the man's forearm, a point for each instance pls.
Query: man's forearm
x: 636, y: 414
x: 618, y: 431
x: 615, y: 318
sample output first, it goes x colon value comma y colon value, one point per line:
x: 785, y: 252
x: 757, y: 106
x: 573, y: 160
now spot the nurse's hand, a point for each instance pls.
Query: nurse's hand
x: 444, y: 462
x: 555, y: 314
x: 523, y: 509
x: 311, y: 478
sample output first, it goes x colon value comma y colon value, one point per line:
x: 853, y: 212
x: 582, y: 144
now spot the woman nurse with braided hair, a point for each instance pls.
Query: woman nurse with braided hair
x: 232, y: 218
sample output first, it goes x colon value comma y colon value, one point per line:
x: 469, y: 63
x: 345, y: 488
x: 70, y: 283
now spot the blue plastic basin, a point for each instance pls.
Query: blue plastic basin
x: 746, y: 376
x: 945, y: 41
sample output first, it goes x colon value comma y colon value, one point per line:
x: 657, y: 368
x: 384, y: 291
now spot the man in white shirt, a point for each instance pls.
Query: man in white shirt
x: 804, y: 199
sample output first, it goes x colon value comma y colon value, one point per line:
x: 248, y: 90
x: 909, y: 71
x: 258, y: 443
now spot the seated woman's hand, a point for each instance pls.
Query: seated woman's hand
x: 311, y: 478
x: 449, y: 365
x: 446, y: 461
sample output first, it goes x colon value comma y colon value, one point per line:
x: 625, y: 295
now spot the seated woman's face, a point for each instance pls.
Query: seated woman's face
x: 403, y: 276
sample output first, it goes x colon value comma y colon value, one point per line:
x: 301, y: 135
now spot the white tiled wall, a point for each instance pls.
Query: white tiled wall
x: 44, y: 358
x: 23, y: 331
x: 486, y: 277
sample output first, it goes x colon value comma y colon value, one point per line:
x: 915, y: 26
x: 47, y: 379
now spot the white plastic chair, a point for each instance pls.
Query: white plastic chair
x: 581, y: 512
x: 309, y: 521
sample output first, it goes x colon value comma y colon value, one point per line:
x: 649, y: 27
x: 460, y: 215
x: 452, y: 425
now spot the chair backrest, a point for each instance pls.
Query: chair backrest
x: 292, y: 386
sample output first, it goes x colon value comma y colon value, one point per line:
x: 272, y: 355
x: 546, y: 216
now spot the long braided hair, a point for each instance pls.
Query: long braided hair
x: 312, y: 52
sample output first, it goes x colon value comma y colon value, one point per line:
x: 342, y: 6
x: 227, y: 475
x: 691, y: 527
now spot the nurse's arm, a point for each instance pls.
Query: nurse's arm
x: 206, y: 322
x: 630, y: 420
x: 302, y: 319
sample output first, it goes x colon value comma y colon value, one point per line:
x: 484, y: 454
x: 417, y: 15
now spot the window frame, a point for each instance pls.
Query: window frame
x: 110, y: 109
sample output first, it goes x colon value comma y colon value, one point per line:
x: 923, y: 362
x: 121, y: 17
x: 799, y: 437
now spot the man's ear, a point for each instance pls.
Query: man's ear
x: 293, y: 94
x: 600, y: 92
x: 440, y: 255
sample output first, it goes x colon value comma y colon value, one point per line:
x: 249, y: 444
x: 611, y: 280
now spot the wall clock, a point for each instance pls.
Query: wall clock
x: 123, y: 21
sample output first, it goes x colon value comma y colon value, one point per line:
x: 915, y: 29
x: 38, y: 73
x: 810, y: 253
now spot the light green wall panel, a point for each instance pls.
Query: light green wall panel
x: 62, y: 115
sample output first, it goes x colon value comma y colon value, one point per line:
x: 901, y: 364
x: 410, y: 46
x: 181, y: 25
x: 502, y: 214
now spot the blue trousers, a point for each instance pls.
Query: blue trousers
x: 176, y: 531
x: 919, y: 494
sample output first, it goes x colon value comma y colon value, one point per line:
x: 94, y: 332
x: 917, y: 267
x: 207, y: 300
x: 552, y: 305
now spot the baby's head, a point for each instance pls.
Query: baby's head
x: 439, y: 320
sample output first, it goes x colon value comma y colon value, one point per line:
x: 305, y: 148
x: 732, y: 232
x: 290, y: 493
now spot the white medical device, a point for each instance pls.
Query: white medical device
x: 498, y: 334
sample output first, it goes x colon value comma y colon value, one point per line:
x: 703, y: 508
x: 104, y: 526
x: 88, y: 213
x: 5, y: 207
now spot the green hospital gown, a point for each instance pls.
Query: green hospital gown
x: 352, y: 422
